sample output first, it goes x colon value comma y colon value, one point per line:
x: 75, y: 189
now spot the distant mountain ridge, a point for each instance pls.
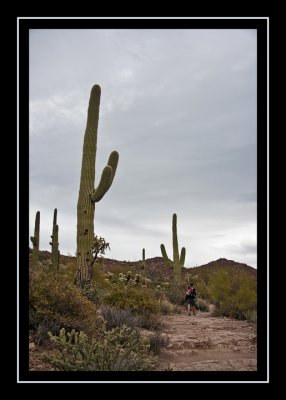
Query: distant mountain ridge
x: 156, y: 265
x: 223, y: 262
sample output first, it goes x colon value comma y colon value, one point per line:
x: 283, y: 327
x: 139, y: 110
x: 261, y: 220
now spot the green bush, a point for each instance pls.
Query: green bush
x: 137, y: 299
x: 176, y: 294
x: 92, y: 292
x: 229, y: 311
x: 216, y: 303
x: 150, y: 321
x: 232, y: 311
x: 121, y: 349
x: 251, y: 316
x: 54, y: 302
x: 233, y: 294
x: 202, y: 305
x: 166, y: 307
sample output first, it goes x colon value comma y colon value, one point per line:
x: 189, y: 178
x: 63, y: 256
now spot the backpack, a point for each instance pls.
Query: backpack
x: 192, y: 293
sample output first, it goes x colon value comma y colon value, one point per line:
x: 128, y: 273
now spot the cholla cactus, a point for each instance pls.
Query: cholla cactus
x: 109, y: 274
x: 178, y: 262
x: 88, y: 196
x: 36, y: 241
x: 128, y: 275
x: 188, y: 277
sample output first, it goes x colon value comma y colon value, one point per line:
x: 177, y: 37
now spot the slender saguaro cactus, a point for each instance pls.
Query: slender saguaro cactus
x: 88, y: 196
x: 36, y: 240
x: 143, y: 262
x: 55, y: 243
x: 178, y: 262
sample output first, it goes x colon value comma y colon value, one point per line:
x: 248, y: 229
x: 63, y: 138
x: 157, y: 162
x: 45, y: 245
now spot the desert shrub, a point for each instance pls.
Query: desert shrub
x: 121, y: 349
x: 177, y: 309
x: 202, y: 305
x: 98, y: 276
x: 137, y: 299
x: 217, y: 303
x: 232, y: 311
x: 175, y: 294
x: 228, y: 311
x: 251, y: 316
x: 203, y: 290
x: 157, y: 341
x: 46, y: 325
x: 69, y: 271
x: 150, y: 321
x: 221, y: 287
x: 167, y: 308
x: 93, y: 292
x: 117, y: 317
x: 54, y: 302
x: 233, y: 294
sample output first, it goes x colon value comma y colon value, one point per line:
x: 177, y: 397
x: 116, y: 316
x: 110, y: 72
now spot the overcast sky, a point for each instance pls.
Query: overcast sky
x: 180, y: 108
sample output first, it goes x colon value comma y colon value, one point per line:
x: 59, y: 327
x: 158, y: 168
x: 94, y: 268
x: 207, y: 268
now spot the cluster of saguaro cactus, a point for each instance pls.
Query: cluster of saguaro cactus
x: 36, y: 240
x: 178, y: 261
x: 143, y: 262
x: 55, y: 243
x: 88, y: 196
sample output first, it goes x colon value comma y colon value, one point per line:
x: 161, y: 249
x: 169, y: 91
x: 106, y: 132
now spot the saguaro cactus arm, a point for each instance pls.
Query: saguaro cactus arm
x: 113, y: 162
x: 183, y: 256
x: 107, y: 177
x: 33, y: 240
x: 166, y: 259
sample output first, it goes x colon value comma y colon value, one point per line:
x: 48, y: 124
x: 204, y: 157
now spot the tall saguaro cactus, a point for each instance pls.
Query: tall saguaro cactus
x: 178, y: 262
x: 36, y: 240
x: 55, y: 243
x: 88, y: 196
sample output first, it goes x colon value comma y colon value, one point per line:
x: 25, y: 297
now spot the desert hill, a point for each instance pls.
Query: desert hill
x: 155, y: 266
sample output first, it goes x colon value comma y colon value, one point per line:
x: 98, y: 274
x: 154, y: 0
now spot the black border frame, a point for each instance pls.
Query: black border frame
x: 261, y: 25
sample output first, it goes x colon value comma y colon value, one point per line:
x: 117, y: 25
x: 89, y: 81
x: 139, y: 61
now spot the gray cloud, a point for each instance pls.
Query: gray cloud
x: 245, y: 248
x: 179, y: 106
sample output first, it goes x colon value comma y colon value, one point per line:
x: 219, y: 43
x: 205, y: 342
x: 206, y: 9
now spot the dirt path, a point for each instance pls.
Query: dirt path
x: 206, y: 343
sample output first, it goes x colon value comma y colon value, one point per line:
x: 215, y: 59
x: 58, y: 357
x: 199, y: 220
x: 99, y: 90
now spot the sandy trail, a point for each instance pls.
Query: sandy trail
x: 206, y: 343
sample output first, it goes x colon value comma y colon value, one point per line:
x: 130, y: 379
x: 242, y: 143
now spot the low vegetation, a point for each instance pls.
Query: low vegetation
x: 233, y: 292
x: 114, y: 324
x: 56, y: 303
x: 120, y: 349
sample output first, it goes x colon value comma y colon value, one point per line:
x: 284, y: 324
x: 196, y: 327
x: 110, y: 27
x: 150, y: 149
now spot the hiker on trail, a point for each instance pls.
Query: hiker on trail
x: 191, y: 299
